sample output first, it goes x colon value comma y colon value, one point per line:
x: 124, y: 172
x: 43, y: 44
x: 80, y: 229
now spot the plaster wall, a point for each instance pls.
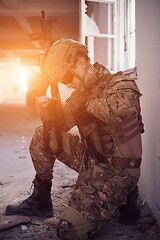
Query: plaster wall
x: 148, y: 68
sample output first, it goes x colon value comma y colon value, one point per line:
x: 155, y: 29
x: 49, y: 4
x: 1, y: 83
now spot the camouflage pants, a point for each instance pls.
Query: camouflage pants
x: 100, y: 190
x: 43, y: 161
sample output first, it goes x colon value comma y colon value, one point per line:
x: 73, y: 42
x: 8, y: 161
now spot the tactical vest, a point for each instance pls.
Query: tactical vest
x: 101, y: 137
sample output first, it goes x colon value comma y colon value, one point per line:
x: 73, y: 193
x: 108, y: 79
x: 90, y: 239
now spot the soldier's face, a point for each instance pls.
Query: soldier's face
x: 78, y: 72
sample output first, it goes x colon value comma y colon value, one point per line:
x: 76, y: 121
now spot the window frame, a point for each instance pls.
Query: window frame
x: 120, y: 57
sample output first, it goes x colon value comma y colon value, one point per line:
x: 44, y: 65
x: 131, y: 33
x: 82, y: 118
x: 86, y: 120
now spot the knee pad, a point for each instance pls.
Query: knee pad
x: 73, y: 226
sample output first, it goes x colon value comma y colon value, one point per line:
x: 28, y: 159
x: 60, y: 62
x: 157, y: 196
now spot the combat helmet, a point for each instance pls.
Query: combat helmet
x: 61, y: 57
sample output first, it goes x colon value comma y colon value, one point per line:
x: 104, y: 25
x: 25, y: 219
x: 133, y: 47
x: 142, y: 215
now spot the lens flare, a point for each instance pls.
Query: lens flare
x: 26, y: 73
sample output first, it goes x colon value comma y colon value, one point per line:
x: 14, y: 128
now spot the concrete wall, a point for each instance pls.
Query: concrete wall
x: 148, y: 64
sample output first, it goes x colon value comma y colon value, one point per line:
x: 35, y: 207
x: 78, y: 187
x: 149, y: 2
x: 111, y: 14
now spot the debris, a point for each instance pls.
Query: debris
x: 10, y: 221
x: 23, y: 227
x: 68, y: 186
x: 51, y: 221
x: 145, y: 223
x: 22, y: 157
x: 36, y: 221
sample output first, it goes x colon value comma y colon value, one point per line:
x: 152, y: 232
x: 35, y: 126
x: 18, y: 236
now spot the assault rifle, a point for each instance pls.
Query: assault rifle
x: 46, y: 36
x: 52, y: 114
x: 46, y: 31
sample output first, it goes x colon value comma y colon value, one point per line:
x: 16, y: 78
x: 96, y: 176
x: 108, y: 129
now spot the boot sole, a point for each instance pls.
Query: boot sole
x: 35, y: 212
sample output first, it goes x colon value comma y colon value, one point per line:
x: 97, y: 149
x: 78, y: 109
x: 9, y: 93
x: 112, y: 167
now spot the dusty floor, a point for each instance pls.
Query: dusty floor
x: 17, y: 124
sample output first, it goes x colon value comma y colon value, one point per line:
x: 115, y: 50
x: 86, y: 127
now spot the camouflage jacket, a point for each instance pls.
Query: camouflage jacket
x: 107, y: 113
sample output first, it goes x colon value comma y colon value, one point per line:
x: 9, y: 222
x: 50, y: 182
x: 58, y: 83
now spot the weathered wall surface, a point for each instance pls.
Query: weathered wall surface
x: 148, y: 67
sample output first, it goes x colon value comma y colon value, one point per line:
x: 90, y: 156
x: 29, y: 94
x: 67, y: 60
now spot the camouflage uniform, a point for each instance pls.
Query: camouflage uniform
x: 107, y: 156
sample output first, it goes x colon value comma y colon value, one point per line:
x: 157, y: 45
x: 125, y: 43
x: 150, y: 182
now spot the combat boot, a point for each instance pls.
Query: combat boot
x: 130, y: 213
x: 38, y: 204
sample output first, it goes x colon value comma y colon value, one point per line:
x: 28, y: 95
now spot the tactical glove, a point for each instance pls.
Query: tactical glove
x: 83, y: 117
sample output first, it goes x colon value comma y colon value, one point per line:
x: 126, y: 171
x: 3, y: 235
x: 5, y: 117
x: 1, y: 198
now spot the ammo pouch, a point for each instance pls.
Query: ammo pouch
x: 121, y: 132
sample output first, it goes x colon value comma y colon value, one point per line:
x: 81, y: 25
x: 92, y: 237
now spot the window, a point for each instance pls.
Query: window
x: 108, y: 28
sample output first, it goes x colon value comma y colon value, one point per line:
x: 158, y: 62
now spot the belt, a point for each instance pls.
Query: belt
x: 124, y: 162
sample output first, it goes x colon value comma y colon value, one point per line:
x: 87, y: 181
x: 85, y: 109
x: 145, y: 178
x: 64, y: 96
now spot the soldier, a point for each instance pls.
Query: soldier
x: 107, y: 155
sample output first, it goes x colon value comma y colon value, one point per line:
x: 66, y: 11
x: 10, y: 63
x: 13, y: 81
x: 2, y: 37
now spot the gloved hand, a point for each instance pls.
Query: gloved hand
x: 83, y: 117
